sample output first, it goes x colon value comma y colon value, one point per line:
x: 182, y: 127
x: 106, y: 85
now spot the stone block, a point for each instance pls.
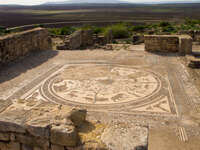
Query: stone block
x: 14, y: 146
x: 4, y: 136
x: 64, y: 135
x: 77, y: 116
x: 9, y: 146
x: 79, y: 39
x: 185, y: 45
x: 3, y: 146
x: 37, y: 129
x: 11, y: 127
x: 27, y: 147
x: 57, y: 147
x: 32, y: 141
x: 86, y: 38
x: 37, y: 148
x: 75, y: 40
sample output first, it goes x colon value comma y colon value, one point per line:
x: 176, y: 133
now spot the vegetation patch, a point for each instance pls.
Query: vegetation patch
x: 62, y: 31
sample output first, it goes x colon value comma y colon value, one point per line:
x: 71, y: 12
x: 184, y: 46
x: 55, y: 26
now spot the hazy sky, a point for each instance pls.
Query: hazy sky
x: 36, y: 2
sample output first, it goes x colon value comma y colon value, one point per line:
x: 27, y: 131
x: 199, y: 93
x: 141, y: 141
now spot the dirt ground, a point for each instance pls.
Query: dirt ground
x: 164, y: 95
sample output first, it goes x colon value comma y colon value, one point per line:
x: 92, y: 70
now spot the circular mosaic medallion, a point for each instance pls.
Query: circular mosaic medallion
x: 101, y: 85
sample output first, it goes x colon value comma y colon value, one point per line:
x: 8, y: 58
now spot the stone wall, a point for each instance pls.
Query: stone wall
x: 34, y: 125
x: 185, y: 44
x: 80, y: 39
x: 162, y: 43
x: 75, y: 40
x: 87, y: 38
x: 168, y: 43
x: 16, y: 45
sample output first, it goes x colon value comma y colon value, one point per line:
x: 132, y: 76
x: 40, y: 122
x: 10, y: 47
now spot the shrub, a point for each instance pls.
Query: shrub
x: 67, y: 30
x: 191, y: 22
x: 164, y: 24
x: 55, y: 31
x: 62, y: 31
x: 118, y: 31
x: 39, y: 25
x: 169, y: 29
x: 98, y: 30
x: 3, y: 30
x: 138, y: 28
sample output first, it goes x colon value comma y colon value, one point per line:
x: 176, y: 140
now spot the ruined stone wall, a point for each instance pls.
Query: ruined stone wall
x: 16, y: 45
x: 33, y: 125
x: 75, y: 40
x: 185, y: 44
x: 87, y: 38
x: 161, y: 43
x: 81, y: 38
x: 168, y: 43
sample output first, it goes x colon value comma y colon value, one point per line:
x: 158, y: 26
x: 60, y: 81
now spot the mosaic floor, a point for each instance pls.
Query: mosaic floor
x: 107, y: 87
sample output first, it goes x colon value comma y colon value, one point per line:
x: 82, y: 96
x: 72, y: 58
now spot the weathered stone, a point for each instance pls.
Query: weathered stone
x: 86, y: 38
x: 10, y: 146
x: 193, y: 62
x: 118, y: 137
x: 137, y: 39
x: 161, y: 43
x: 12, y: 137
x: 75, y: 40
x: 14, y: 146
x: 4, y: 136
x: 26, y: 147
x: 38, y: 125
x: 11, y: 127
x: 32, y: 141
x: 185, y: 45
x: 77, y: 116
x: 57, y: 147
x: 19, y: 44
x: 12, y: 119
x: 169, y: 43
x: 64, y: 135
x: 37, y: 148
x: 38, y: 129
x: 79, y: 39
x: 3, y: 146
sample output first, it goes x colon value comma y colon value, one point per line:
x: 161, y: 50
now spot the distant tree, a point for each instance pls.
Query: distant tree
x: 118, y: 30
x: 164, y: 24
x: 138, y: 28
